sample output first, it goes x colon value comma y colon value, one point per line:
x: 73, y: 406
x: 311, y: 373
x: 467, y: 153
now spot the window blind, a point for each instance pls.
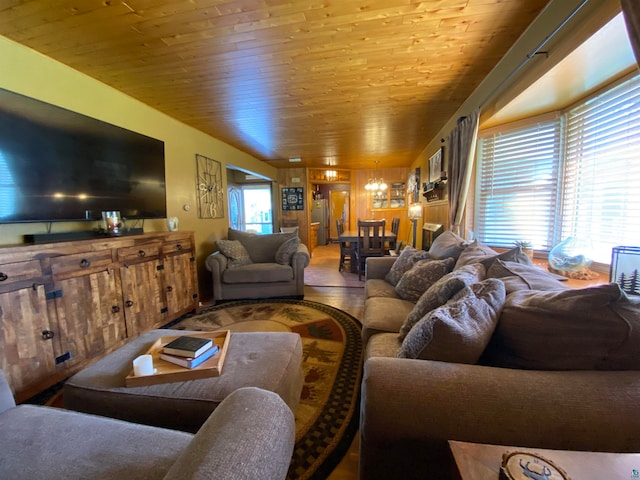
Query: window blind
x: 601, y: 197
x: 517, y: 185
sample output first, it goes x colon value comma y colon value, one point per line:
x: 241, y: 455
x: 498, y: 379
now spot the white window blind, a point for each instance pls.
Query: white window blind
x: 517, y: 185
x: 601, y: 197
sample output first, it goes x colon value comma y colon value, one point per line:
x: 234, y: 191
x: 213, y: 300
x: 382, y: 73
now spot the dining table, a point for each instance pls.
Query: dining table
x: 352, y: 236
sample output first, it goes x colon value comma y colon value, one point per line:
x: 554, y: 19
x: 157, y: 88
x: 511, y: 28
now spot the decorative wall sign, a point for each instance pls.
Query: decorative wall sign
x: 293, y: 198
x: 209, y: 188
x: 435, y: 166
x: 413, y: 186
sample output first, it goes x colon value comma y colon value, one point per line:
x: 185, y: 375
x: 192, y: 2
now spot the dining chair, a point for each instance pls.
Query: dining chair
x: 395, y: 227
x: 345, y: 247
x: 370, y: 242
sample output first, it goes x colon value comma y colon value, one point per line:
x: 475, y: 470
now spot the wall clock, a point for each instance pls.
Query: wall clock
x: 209, y: 188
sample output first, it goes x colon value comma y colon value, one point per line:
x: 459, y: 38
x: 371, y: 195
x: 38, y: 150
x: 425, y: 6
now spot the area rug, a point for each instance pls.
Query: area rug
x: 328, y: 415
x: 322, y: 270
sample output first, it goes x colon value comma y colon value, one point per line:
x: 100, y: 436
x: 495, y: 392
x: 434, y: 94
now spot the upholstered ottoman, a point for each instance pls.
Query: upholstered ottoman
x: 268, y: 360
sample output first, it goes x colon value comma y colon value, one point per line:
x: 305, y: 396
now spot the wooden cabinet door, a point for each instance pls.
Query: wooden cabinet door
x: 26, y: 339
x: 90, y: 314
x: 180, y: 283
x: 144, y: 304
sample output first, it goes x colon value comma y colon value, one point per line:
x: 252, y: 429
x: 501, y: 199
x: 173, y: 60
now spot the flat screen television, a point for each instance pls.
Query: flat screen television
x: 58, y: 165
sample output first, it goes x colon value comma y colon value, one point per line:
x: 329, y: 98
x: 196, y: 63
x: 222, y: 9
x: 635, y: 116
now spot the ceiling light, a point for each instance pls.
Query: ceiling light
x: 295, y: 160
x: 376, y: 184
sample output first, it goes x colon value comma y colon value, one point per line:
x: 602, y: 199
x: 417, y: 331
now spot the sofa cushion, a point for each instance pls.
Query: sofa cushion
x: 382, y: 345
x: 441, y: 292
x: 407, y: 259
x: 262, y: 248
x: 594, y: 328
x: 235, y: 252
x: 258, y: 273
x: 479, y: 252
x: 377, y: 287
x: 384, y: 315
x: 460, y: 330
x: 517, y: 276
x: 446, y: 245
x: 421, y: 276
x: 286, y: 250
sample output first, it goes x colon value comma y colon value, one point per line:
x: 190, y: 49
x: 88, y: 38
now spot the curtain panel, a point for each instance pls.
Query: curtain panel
x: 462, y: 147
x: 631, y: 11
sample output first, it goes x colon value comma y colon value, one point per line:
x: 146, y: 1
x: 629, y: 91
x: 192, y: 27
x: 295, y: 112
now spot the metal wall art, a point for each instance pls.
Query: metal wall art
x: 209, y: 188
x: 293, y: 198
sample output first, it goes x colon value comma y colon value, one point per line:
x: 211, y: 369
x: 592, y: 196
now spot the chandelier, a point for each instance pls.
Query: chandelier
x: 375, y: 184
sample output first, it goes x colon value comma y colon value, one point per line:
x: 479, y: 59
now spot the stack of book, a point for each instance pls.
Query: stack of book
x: 189, y: 352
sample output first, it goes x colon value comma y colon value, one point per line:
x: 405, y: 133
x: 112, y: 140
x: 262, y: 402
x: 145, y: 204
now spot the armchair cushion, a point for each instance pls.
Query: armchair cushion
x: 286, y: 251
x: 235, y: 252
x: 460, y: 330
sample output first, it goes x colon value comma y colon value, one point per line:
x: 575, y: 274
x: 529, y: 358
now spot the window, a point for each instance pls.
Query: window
x: 574, y: 175
x: 257, y: 208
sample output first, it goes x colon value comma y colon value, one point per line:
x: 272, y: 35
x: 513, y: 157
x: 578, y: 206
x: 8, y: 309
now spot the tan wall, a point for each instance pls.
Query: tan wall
x: 29, y: 73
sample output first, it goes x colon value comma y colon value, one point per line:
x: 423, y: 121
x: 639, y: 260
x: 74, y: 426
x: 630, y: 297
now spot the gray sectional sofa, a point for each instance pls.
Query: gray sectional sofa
x: 496, y: 351
x: 248, y: 265
x: 249, y: 436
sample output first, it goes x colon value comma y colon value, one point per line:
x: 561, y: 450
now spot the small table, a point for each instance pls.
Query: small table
x: 352, y: 237
x: 482, y: 462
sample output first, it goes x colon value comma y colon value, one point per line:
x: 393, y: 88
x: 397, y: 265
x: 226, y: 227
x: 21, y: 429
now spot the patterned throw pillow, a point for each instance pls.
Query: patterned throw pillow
x: 407, y: 259
x: 286, y: 251
x: 235, y: 252
x: 460, y: 330
x: 421, y: 276
x: 441, y: 292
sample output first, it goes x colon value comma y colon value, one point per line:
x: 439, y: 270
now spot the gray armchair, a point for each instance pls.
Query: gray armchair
x: 249, y: 436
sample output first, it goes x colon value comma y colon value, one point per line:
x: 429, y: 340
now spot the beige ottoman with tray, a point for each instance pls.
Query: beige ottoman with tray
x: 268, y: 360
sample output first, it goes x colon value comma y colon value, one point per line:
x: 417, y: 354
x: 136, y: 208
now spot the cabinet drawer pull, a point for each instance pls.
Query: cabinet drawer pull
x: 169, y: 288
x: 141, y: 253
x: 179, y: 246
x: 84, y: 263
x: 3, y: 276
x: 115, y: 309
x: 129, y: 303
x: 47, y: 334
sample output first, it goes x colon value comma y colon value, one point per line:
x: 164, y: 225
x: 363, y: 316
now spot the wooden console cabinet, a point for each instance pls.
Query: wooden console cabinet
x: 63, y: 305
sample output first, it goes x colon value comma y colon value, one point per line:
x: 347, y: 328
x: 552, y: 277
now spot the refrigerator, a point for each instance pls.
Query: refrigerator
x: 320, y: 214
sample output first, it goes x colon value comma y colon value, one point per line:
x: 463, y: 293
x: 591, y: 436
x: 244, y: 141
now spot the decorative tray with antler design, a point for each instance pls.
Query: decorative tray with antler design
x: 529, y: 466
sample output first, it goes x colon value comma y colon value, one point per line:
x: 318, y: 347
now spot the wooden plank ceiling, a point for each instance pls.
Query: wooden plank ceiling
x: 343, y: 83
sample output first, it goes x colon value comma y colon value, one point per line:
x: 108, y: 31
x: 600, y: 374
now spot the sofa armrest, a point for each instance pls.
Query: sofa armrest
x: 378, y: 267
x: 411, y: 408
x: 216, y: 262
x: 6, y: 395
x: 250, y: 435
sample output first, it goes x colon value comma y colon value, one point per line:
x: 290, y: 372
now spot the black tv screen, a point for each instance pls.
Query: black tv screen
x: 58, y: 165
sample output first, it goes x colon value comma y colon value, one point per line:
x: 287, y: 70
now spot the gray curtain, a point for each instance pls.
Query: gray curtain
x: 631, y: 10
x: 462, y: 148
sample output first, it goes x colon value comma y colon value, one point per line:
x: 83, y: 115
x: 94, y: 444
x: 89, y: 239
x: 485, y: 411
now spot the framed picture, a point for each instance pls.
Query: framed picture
x: 293, y: 198
x: 413, y: 186
x: 436, y: 165
x: 209, y: 188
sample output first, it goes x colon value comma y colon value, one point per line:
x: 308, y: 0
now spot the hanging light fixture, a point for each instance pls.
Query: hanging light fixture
x: 331, y: 175
x: 375, y: 184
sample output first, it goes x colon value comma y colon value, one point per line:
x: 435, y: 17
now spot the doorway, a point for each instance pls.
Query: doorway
x: 338, y: 210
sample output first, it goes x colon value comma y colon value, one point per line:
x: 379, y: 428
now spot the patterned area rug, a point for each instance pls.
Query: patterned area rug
x: 328, y: 415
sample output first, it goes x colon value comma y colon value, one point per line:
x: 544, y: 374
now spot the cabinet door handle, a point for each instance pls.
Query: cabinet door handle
x: 141, y: 253
x: 3, y: 276
x: 129, y: 303
x: 47, y: 334
x: 115, y: 309
x: 179, y: 246
x: 169, y: 288
x: 84, y: 263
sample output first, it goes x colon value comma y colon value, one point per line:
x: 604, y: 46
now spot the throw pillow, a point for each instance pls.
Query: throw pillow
x: 289, y: 230
x: 594, y: 328
x: 235, y: 252
x: 460, y: 330
x: 517, y: 276
x: 286, y: 251
x: 478, y: 252
x: 407, y: 259
x: 262, y: 248
x: 447, y: 245
x: 421, y: 276
x: 441, y: 292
